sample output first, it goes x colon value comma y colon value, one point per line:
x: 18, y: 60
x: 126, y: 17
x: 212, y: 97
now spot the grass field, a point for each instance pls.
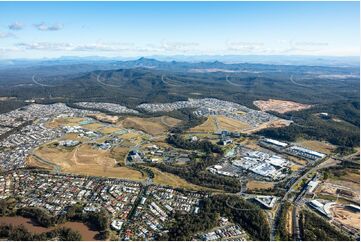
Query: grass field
x: 93, y: 126
x: 259, y: 185
x: 87, y: 160
x: 316, y: 145
x: 32, y: 161
x: 164, y: 178
x: 224, y: 123
x: 119, y: 153
x: 104, y: 118
x: 207, y: 126
x: 108, y: 129
x: 231, y: 124
x: 153, y: 126
x: 295, y: 167
x: 68, y: 121
x: 350, y: 180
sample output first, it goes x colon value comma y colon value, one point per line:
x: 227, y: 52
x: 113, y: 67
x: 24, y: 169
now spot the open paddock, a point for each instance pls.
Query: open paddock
x: 259, y: 185
x: 86, y: 160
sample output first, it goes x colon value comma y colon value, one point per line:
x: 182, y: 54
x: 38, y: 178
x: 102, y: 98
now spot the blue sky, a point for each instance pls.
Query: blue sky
x: 116, y: 29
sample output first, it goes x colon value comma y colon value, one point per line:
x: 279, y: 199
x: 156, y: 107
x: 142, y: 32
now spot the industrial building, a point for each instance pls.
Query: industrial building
x: 323, y: 209
x: 306, y: 153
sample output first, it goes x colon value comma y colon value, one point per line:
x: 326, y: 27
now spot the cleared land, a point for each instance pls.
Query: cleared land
x: 316, y: 145
x: 105, y: 118
x: 280, y: 106
x: 218, y: 123
x: 68, y: 121
x: 231, y: 124
x: 32, y: 161
x: 93, y: 126
x: 208, y: 126
x: 7, y: 98
x: 271, y: 124
x: 164, y: 178
x: 259, y: 185
x: 346, y: 217
x: 85, y: 232
x: 87, y: 160
x: 349, y: 182
x: 153, y: 126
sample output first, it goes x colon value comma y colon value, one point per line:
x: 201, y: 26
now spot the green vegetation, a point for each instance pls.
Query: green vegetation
x: 281, y: 223
x: 310, y: 126
x: 344, y: 150
x: 248, y: 216
x: 143, y: 169
x: 195, y: 173
x: 204, y: 145
x: 96, y: 220
x: 41, y: 216
x: 314, y: 227
x: 7, y: 206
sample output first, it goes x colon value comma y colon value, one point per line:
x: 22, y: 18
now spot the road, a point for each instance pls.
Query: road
x: 105, y: 84
x: 298, y: 84
x: 232, y: 83
x: 295, y: 224
x: 321, y: 165
x: 56, y: 167
x: 41, y: 84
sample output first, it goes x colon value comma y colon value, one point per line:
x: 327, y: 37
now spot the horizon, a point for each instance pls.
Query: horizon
x: 128, y: 30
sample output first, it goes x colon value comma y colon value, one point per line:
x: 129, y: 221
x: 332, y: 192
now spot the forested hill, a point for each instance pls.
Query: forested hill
x: 332, y: 90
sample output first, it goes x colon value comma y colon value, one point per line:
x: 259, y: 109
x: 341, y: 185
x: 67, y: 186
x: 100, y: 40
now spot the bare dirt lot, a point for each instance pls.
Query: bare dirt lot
x: 346, y: 186
x: 346, y: 216
x: 271, y: 124
x: 280, y: 106
x: 259, y: 185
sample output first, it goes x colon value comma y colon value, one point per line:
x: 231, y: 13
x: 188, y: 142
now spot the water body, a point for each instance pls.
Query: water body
x: 32, y: 226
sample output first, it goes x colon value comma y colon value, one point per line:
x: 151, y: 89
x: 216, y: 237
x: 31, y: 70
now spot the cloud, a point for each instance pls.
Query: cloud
x: 163, y: 47
x: 16, y: 26
x: 61, y: 46
x: 178, y: 46
x: 45, y: 46
x: 45, y: 27
x: 4, y: 35
x: 245, y: 46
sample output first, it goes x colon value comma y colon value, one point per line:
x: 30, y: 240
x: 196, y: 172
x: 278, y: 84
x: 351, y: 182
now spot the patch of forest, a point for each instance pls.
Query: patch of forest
x: 250, y: 217
x: 309, y: 125
x: 315, y: 228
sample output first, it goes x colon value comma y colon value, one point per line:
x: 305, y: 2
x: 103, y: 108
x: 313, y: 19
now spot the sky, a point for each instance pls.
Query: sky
x: 130, y: 29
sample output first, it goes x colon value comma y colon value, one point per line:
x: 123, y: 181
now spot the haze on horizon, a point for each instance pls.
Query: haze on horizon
x: 55, y: 29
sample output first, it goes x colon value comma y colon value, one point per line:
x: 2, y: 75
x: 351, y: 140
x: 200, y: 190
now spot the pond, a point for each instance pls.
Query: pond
x: 32, y: 226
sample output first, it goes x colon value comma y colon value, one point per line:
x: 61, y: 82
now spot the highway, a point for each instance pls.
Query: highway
x: 298, y: 84
x: 105, y: 84
x: 41, y: 84
x: 232, y: 83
